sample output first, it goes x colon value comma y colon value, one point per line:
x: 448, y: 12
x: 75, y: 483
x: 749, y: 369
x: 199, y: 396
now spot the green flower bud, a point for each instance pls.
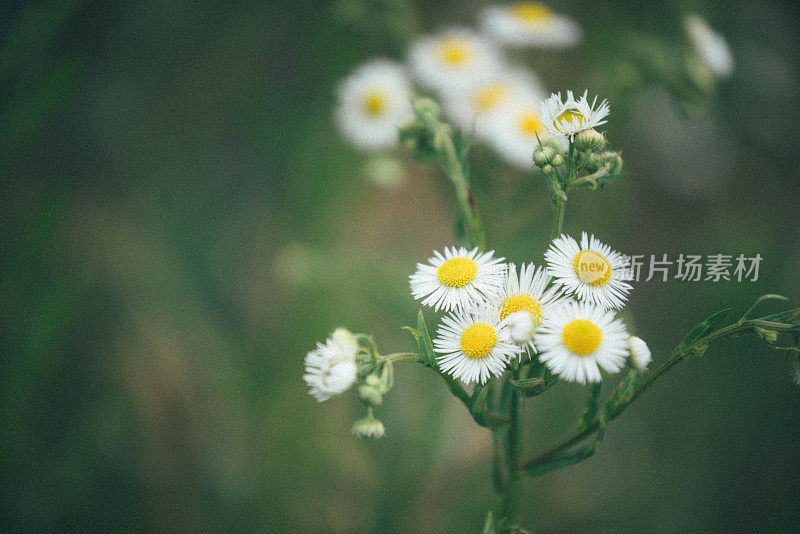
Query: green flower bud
x: 369, y: 428
x: 589, y: 141
x: 557, y: 160
x: 612, y: 161
x: 593, y: 164
x: 542, y: 155
x: 372, y: 390
x: 548, y: 169
x: 426, y: 109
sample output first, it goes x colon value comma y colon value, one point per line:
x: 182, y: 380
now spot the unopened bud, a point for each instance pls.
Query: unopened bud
x: 369, y: 428
x: 557, y: 160
x: 372, y: 390
x: 426, y: 108
x: 547, y: 169
x: 344, y: 337
x: 589, y: 140
x: 543, y: 155
x: 612, y: 161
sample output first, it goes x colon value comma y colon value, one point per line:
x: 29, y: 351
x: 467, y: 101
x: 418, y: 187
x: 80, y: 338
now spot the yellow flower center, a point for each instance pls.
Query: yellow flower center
x: 457, y: 272
x: 529, y: 123
x: 521, y: 302
x: 581, y: 336
x: 571, y: 116
x: 455, y: 52
x: 477, y: 340
x: 375, y: 103
x: 489, y: 96
x: 532, y: 12
x: 592, y: 268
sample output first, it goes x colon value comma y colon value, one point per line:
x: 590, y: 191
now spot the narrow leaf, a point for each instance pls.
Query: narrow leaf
x: 622, y: 395
x: 592, y: 407
x: 426, y: 354
x: 570, y: 458
x: 527, y: 384
x: 705, y: 328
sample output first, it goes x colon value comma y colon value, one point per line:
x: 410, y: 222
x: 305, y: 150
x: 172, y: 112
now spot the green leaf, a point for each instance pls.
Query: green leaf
x: 592, y: 406
x: 705, y: 328
x: 794, y: 362
x: 787, y: 317
x: 426, y: 354
x: 622, y: 395
x: 603, y: 180
x: 561, y: 461
x: 527, y: 384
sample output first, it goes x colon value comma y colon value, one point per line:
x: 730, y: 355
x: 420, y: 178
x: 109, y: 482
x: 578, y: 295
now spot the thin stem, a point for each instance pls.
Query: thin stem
x: 401, y: 356
x: 458, y: 177
x: 513, y: 454
x: 558, y: 219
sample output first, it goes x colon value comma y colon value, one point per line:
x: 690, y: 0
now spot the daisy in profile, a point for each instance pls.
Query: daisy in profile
x: 711, y: 46
x: 373, y: 102
x: 591, y: 271
x: 515, y: 131
x: 474, y: 346
x: 473, y: 106
x: 452, y: 59
x: 530, y: 24
x: 331, y: 367
x: 459, y: 279
x: 578, y: 339
x: 525, y: 300
x: 570, y: 116
x: 640, y: 352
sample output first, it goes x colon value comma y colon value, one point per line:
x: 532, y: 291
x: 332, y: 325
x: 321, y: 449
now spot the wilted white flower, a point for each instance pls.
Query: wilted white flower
x: 570, y: 116
x: 640, y: 352
x: 331, y: 367
x: 577, y: 339
x: 373, y: 102
x: 525, y: 300
x: 474, y: 346
x: 453, y: 59
x: 711, y: 46
x: 459, y: 279
x: 591, y: 271
x: 530, y: 24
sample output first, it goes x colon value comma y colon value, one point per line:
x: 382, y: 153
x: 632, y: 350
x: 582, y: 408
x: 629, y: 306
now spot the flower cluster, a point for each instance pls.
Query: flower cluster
x: 481, y: 91
x: 564, y: 312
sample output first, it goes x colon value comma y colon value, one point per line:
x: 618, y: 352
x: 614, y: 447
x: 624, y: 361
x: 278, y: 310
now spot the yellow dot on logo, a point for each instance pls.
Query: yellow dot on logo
x: 457, y: 272
x: 581, y: 336
x: 478, y: 340
x: 592, y: 268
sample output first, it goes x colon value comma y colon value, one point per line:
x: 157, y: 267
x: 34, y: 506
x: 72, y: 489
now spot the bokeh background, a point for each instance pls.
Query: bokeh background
x: 180, y: 222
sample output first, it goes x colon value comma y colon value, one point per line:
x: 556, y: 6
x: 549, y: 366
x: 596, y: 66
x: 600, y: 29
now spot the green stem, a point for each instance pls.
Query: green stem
x: 513, y: 454
x: 558, y: 219
x: 401, y: 356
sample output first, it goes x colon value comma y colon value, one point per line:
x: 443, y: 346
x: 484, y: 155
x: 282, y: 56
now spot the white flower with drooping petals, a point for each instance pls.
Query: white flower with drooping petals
x: 577, y: 339
x: 453, y: 59
x: 472, y: 107
x: 570, y: 116
x: 530, y: 24
x: 710, y: 45
x: 640, y: 352
x: 373, y: 102
x: 459, y: 279
x: 515, y: 131
x: 591, y: 271
x: 526, y: 299
x: 331, y: 367
x: 474, y: 346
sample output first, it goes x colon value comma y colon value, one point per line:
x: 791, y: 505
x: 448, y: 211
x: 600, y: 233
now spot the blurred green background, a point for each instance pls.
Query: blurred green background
x: 180, y: 222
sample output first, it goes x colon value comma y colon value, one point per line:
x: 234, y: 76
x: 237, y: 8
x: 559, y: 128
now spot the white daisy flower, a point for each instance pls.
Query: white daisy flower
x: 373, y: 102
x: 711, y: 46
x: 591, y: 271
x: 472, y: 106
x: 525, y: 300
x: 572, y: 115
x: 529, y: 24
x: 515, y: 130
x: 474, y: 346
x: 453, y: 59
x: 459, y: 279
x: 331, y: 367
x: 640, y: 352
x: 577, y: 339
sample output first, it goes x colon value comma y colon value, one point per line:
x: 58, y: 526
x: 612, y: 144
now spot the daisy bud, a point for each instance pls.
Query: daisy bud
x: 372, y: 390
x: 369, y: 428
x: 547, y: 169
x: 557, y: 160
x: 612, y: 160
x: 640, y: 352
x: 543, y: 155
x: 589, y: 140
x: 426, y: 109
x: 593, y: 164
